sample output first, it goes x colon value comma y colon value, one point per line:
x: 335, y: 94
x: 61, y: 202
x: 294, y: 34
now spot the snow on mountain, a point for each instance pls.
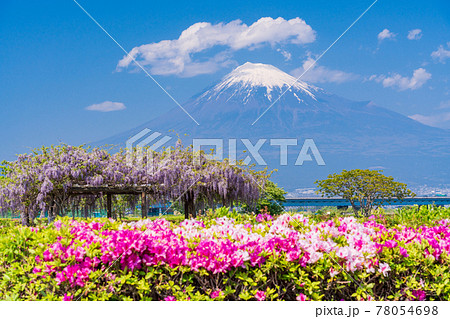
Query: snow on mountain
x: 249, y: 77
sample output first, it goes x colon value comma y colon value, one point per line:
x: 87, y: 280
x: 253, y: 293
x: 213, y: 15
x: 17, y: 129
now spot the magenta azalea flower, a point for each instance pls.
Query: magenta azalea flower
x: 301, y: 297
x: 263, y: 217
x: 419, y: 294
x: 390, y: 244
x: 47, y: 255
x: 404, y: 252
x: 67, y: 297
x: 260, y: 295
x: 216, y: 294
x: 170, y: 298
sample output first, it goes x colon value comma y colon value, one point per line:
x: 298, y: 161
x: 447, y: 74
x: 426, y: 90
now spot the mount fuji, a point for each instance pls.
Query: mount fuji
x: 347, y: 134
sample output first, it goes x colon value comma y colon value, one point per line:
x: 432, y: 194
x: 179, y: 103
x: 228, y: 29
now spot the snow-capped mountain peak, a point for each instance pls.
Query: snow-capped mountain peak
x: 259, y: 74
x: 252, y: 76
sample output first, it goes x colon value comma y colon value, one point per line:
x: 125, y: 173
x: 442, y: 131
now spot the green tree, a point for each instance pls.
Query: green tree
x: 362, y: 188
x: 271, y: 199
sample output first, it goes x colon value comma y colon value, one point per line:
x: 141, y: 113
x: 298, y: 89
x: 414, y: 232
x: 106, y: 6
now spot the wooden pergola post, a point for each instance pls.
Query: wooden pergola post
x: 135, y: 190
x: 108, y: 205
x: 144, y: 205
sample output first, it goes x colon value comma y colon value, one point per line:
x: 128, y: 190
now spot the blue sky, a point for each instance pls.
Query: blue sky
x: 58, y: 68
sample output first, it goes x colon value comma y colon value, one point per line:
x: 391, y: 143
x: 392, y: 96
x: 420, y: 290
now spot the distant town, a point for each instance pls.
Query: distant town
x: 422, y: 191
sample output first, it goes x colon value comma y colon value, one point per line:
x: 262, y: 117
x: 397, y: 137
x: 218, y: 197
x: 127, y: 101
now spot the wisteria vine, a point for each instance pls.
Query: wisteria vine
x: 43, y: 179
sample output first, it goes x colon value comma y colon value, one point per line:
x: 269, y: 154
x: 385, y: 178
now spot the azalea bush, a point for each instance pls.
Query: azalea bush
x: 416, y: 216
x: 225, y: 256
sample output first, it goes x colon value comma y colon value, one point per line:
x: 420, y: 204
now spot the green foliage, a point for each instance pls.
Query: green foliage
x: 362, y: 188
x: 417, y: 216
x: 271, y: 200
x: 408, y: 216
x: 228, y: 213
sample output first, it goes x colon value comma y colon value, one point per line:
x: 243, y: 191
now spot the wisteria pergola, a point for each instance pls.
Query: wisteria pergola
x: 108, y: 191
x: 50, y: 177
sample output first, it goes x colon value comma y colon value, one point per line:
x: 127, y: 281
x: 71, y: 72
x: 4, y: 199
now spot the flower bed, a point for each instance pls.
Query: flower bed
x: 263, y: 258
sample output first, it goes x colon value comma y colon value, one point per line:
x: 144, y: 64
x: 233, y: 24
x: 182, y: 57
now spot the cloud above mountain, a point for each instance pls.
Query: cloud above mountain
x: 441, y: 120
x: 417, y: 80
x: 319, y: 74
x: 414, y: 34
x: 106, y: 106
x: 441, y: 54
x: 180, y: 56
x: 444, y: 105
x: 385, y: 34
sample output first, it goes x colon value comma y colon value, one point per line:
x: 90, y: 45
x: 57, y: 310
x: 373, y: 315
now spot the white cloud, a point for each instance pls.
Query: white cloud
x: 377, y: 167
x: 415, y: 34
x: 386, y: 34
x: 106, y: 106
x: 419, y: 78
x: 441, y: 120
x: 179, y: 56
x: 441, y: 53
x: 321, y: 74
x: 437, y: 120
x: 444, y: 105
x: 287, y: 55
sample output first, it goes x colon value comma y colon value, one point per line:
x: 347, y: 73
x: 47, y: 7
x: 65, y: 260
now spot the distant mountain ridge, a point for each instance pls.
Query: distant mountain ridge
x: 348, y: 134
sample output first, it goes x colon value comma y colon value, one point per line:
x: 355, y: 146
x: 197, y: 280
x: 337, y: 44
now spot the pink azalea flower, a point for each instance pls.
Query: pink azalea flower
x: 47, y: 255
x: 390, y: 244
x: 422, y: 282
x: 58, y: 224
x: 67, y: 297
x: 260, y: 295
x: 333, y: 272
x: 170, y: 298
x: 404, y: 252
x: 384, y: 268
x: 263, y: 217
x: 301, y: 297
x: 419, y: 294
x: 216, y: 294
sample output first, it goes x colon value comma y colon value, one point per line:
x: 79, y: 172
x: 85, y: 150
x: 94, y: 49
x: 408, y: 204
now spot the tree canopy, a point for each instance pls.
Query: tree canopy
x: 270, y: 201
x: 362, y: 187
